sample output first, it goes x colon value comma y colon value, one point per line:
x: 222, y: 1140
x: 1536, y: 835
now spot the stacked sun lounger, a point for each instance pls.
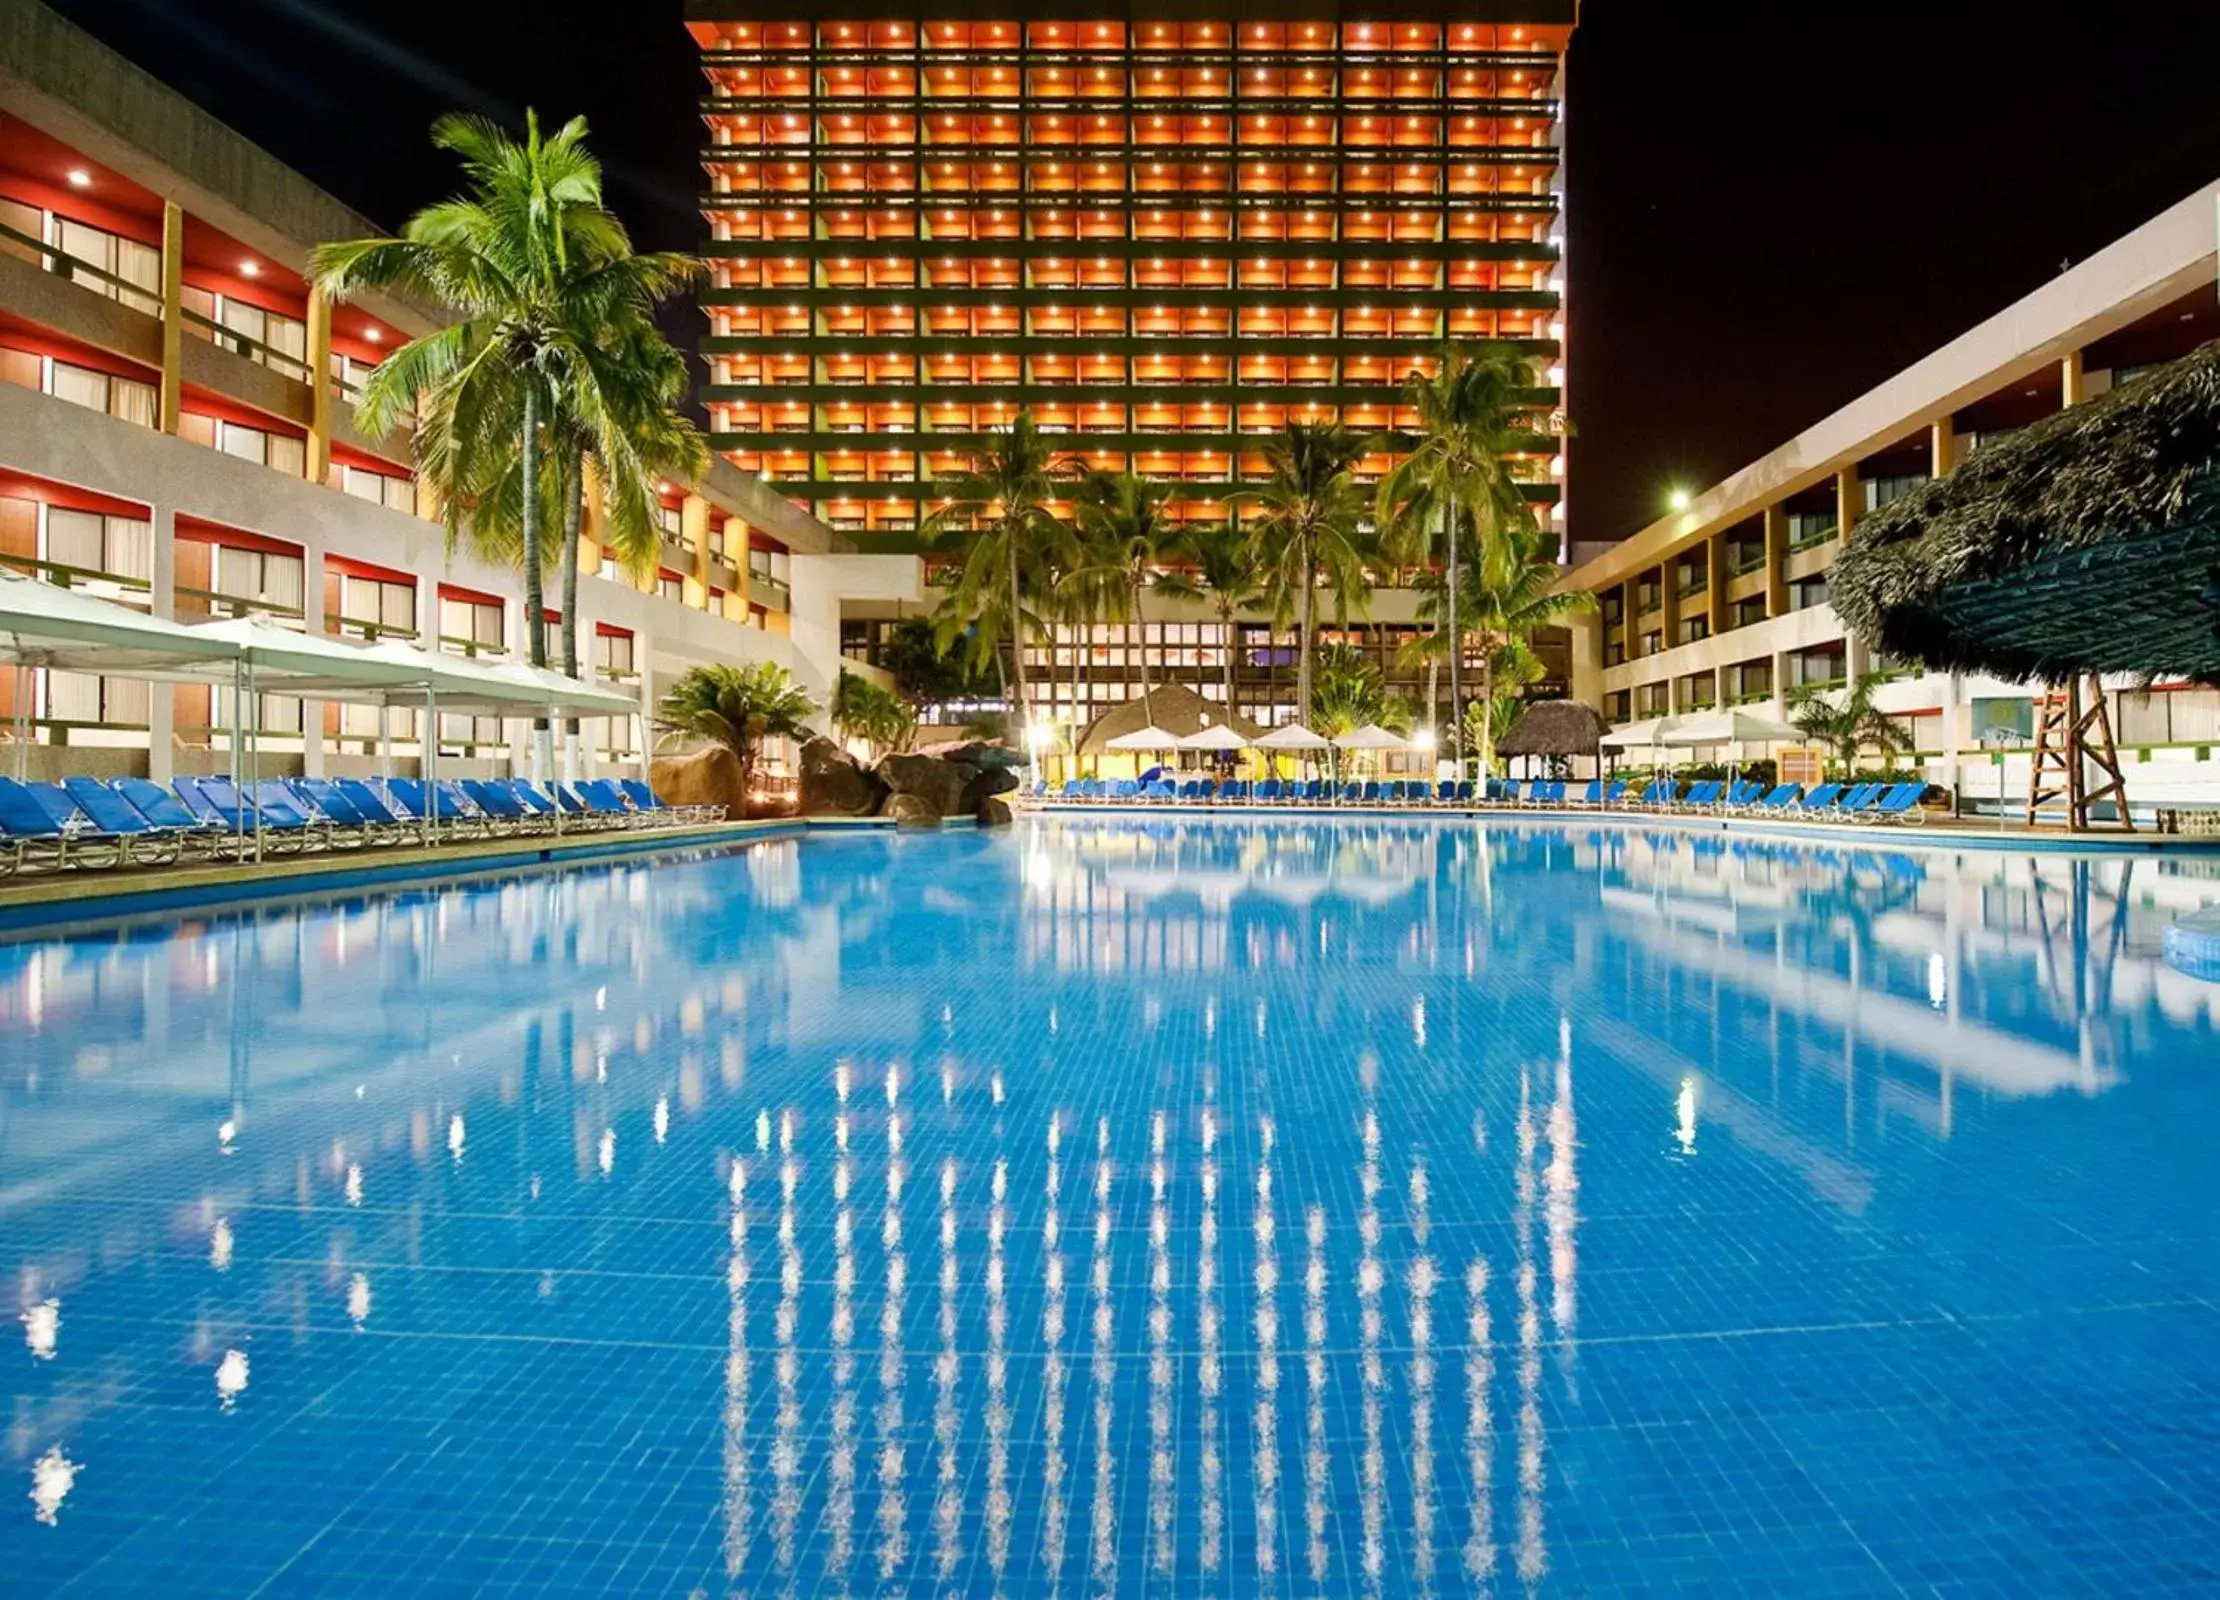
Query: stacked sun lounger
x: 84, y: 822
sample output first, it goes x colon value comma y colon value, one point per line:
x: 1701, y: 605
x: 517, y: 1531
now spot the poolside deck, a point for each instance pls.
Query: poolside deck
x: 48, y: 901
x: 1934, y: 831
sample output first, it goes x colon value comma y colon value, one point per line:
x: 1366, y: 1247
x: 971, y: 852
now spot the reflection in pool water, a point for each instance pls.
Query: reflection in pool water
x: 1342, y: 1207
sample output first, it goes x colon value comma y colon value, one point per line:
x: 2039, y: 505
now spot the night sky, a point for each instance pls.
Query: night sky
x: 1773, y: 207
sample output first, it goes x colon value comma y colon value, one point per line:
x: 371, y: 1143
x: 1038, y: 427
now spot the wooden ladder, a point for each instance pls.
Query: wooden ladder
x: 2072, y: 736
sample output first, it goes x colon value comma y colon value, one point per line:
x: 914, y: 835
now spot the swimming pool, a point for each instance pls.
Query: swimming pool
x: 1219, y: 1206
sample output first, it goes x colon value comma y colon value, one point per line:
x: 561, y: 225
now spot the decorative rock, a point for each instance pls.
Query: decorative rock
x: 986, y: 784
x: 834, y: 784
x: 912, y: 811
x: 937, y: 782
x: 707, y: 777
x: 993, y: 813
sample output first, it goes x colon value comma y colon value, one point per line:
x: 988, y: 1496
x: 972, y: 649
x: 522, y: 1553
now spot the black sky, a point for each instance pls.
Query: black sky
x: 1774, y: 206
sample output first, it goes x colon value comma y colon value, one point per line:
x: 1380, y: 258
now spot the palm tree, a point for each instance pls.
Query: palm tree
x: 863, y: 710
x: 536, y: 274
x: 738, y: 708
x: 1217, y: 561
x: 1454, y: 478
x: 1124, y: 538
x: 1309, y: 526
x: 1847, y: 728
x: 999, y: 503
x: 1514, y: 591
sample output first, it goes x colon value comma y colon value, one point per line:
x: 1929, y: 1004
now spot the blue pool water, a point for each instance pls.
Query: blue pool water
x: 1210, y: 1207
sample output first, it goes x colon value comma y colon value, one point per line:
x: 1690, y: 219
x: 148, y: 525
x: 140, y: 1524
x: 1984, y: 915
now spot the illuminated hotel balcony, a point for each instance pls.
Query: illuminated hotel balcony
x: 1162, y: 236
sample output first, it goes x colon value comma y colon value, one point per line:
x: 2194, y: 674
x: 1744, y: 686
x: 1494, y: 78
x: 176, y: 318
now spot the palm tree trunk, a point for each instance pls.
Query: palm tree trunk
x: 1305, y: 603
x: 574, y: 517
x: 535, y: 588
x: 1023, y: 709
x: 1456, y: 654
x: 1141, y: 652
x: 1487, y: 713
x: 1226, y: 638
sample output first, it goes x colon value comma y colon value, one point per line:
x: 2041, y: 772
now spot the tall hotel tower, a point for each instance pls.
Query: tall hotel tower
x: 1165, y: 228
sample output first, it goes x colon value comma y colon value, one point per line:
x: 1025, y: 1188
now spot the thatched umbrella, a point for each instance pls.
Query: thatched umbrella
x: 2087, y: 543
x: 1554, y: 728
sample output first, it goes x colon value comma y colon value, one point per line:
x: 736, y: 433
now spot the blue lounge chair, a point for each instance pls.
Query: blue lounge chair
x: 1899, y: 804
x: 1821, y: 799
x: 1267, y: 791
x: 1592, y: 796
x: 284, y: 831
x: 345, y: 824
x: 610, y: 801
x: 141, y: 842
x: 1781, y: 797
x: 386, y: 813
x: 38, y: 831
x: 503, y: 811
x: 1659, y: 794
x: 1700, y: 795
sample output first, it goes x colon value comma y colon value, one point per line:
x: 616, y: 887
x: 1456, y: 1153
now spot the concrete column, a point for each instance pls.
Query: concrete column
x: 643, y: 657
x: 1587, y: 658
x: 313, y: 620
x: 173, y: 314
x: 1849, y: 502
x: 319, y: 385
x: 736, y: 549
x: 1722, y: 689
x: 517, y: 730
x: 1953, y: 729
x: 1716, y: 558
x: 1857, y: 657
x: 693, y: 521
x: 2072, y: 382
x: 1780, y: 682
x: 592, y: 526
x: 1630, y: 627
x: 1776, y: 561
x: 1668, y: 588
x: 161, y: 700
x: 1942, y: 446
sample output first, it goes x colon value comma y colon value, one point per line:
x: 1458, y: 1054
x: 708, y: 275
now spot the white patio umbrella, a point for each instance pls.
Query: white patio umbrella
x: 1149, y: 738
x: 1217, y: 736
x: 44, y: 625
x: 1371, y: 737
x: 1294, y: 736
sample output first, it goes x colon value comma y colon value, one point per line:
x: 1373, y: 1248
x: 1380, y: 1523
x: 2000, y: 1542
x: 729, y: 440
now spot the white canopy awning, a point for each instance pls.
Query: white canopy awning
x: 1732, y: 726
x: 1645, y: 735
x: 287, y: 661
x: 1218, y: 736
x: 1294, y: 736
x: 1371, y: 737
x: 45, y: 625
x: 1148, y: 738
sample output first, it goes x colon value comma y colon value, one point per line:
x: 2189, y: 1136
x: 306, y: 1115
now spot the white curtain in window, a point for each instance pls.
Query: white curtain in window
x: 285, y: 336
x: 364, y: 485
x: 282, y: 576
x: 72, y: 697
x: 248, y: 444
x: 140, y: 265
x: 129, y: 547
x: 400, y: 494
x: 125, y: 701
x: 242, y: 318
x: 289, y: 456
x: 133, y: 401
x: 75, y: 539
x: 80, y: 386
x: 397, y: 605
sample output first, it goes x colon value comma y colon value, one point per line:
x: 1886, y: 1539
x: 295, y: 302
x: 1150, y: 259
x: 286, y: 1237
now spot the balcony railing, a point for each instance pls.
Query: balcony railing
x: 1810, y: 539
x: 64, y: 265
x: 233, y: 605
x: 239, y: 344
x: 65, y: 576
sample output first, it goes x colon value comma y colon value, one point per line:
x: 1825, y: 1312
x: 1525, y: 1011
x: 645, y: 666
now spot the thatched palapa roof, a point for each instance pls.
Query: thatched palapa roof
x: 1173, y: 707
x: 1553, y: 728
x: 2089, y: 542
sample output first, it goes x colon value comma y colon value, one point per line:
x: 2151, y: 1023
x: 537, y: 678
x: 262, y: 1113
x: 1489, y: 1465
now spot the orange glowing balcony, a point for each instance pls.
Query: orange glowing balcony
x: 790, y: 368
x: 786, y: 419
x: 1101, y: 272
x: 947, y: 322
x: 890, y: 466
x: 1408, y: 274
x: 1367, y: 369
x: 892, y: 369
x: 1051, y: 322
x: 729, y: 418
x: 1263, y: 324
x: 839, y: 321
x: 997, y: 322
x: 891, y: 272
x: 890, y: 322
x: 947, y: 272
x: 1102, y: 225
x: 1102, y: 369
x: 1310, y: 371
x: 1155, y: 322
x: 1156, y: 463
x: 1309, y: 131
x: 1055, y: 223
x: 1053, y: 272
x: 1262, y: 418
x: 1056, y: 417
x: 1052, y: 177
x: 999, y: 272
x: 1362, y: 275
x: 736, y: 369
x: 842, y: 417
x: 947, y: 369
x: 1156, y: 370
x: 1208, y: 417
x: 1101, y: 177
x: 1267, y: 274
